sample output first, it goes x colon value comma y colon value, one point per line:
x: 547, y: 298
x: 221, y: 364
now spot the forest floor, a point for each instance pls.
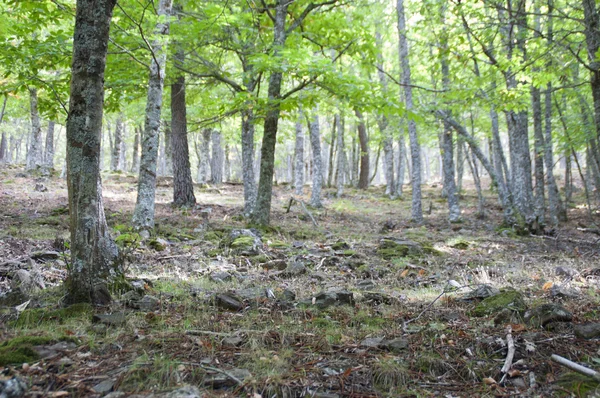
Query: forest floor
x: 362, y: 304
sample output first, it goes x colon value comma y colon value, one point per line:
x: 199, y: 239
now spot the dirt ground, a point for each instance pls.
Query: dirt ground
x: 360, y: 303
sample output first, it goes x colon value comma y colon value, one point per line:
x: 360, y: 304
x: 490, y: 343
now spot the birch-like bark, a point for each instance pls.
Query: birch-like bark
x: 135, y: 157
x: 538, y: 143
x: 299, y: 157
x: 226, y: 163
x: 143, y: 215
x: 3, y: 141
x: 216, y: 162
x: 93, y: 252
x: 340, y: 156
x: 168, y: 155
x: 401, y: 165
x: 122, y: 165
x: 49, y: 149
x: 317, y: 171
x: 34, y: 151
x: 591, y: 22
x: 363, y: 179
x: 332, y: 147
x: 415, y: 149
x: 116, y: 144
x: 248, y: 160
x: 203, y: 153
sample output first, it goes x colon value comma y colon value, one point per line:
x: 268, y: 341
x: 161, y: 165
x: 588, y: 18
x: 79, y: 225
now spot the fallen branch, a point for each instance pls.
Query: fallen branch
x: 511, y: 352
x: 308, y: 213
x: 576, y: 367
x: 590, y: 230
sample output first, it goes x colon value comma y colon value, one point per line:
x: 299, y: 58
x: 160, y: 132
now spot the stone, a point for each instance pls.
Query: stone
x: 324, y: 395
x: 12, y: 388
x: 23, y: 281
x: 345, y: 297
x: 158, y: 244
x: 99, y: 328
x: 371, y: 342
x: 228, y: 302
x: 547, y: 313
x: 509, y: 298
x: 115, y: 319
x: 560, y: 291
x: 130, y: 298
x: 220, y: 276
x: 394, y: 345
x: 294, y: 269
x: 148, y: 303
x: 120, y: 394
x: 45, y: 255
x: 481, y: 292
x: 105, y: 386
x: 39, y: 187
x: 587, y: 330
x: 319, y: 276
x: 366, y: 284
x: 506, y: 316
x: 565, y: 271
x: 220, y: 380
x: 183, y: 392
x: 328, y: 299
x: 244, y: 242
x: 251, y: 293
x: 278, y: 265
x: 234, y: 341
x: 288, y: 295
x: 379, y: 298
x: 390, y: 248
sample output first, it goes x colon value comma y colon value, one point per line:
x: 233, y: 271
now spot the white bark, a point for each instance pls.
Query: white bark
x: 34, y: 152
x: 299, y: 157
x: 315, y: 142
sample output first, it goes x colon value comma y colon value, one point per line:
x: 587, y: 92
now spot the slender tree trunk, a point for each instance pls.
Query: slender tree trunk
x: 3, y: 142
x: 299, y: 157
x: 168, y: 156
x: 135, y: 158
x: 363, y: 180
x: 415, y: 149
x: 123, y: 151
x: 382, y: 121
x: 475, y: 173
x: 49, y: 150
x: 226, y: 164
x: 143, y: 215
x: 34, y: 152
x: 460, y: 163
x: 340, y: 156
x: 116, y: 144
x: 204, y: 157
x: 183, y: 186
x: 216, y: 166
x: 93, y: 252
x: 317, y: 171
x: 400, y: 164
x: 248, y: 160
x: 331, y: 154
x: 592, y: 35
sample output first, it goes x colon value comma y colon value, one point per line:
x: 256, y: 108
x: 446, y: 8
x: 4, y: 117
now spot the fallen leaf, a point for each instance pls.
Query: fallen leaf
x: 547, y: 286
x: 489, y: 381
x: 21, y: 307
x: 514, y: 372
x: 404, y: 273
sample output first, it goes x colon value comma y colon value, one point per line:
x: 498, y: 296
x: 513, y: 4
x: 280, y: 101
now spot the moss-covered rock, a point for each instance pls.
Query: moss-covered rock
x: 509, y: 299
x: 20, y: 349
x: 36, y: 316
x: 394, y: 248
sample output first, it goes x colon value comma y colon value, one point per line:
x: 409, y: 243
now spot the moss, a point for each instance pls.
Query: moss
x: 340, y: 245
x: 212, y: 236
x: 242, y: 242
x: 459, y: 243
x: 390, y: 249
x: 20, y: 349
x: 213, y: 252
x: 279, y: 244
x: 389, y: 374
x: 36, y: 316
x: 509, y: 299
x: 349, y: 253
x: 581, y: 385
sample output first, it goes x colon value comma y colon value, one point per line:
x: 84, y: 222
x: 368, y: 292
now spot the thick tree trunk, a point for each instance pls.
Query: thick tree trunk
x: 340, y: 156
x: 363, y: 180
x: 135, y: 157
x: 299, y: 157
x: 538, y: 143
x: 317, y: 171
x: 116, y: 144
x: 34, y: 151
x: 93, y: 252
x: 143, y: 215
x: 49, y: 150
x: 415, y: 149
x: 592, y: 35
x: 248, y: 160
x: 216, y: 163
x: 183, y: 186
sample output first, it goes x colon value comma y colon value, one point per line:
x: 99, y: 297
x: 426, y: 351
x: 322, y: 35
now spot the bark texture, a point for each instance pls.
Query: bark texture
x: 143, y: 215
x: 183, y: 187
x: 415, y: 148
x: 216, y: 161
x: 93, y: 252
x: 3, y: 140
x: 115, y: 156
x: 49, y: 149
x: 315, y: 144
x: 248, y: 160
x: 299, y: 157
x: 135, y: 157
x: 363, y: 180
x: 340, y: 156
x: 34, y: 151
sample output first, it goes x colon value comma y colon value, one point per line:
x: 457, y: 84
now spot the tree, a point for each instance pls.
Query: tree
x: 34, y: 152
x: 143, y: 215
x: 363, y: 181
x: 299, y: 157
x: 49, y: 149
x: 315, y: 143
x: 93, y: 252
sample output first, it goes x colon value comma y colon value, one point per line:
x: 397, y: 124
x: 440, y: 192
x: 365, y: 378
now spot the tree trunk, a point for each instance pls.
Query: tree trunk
x: 317, y: 171
x: 331, y: 155
x: 3, y: 141
x: 93, y: 252
x: 299, y: 157
x: 168, y: 155
x: 363, y: 180
x: 183, y: 186
x: 248, y: 160
x: 204, y: 157
x: 226, y: 164
x: 116, y: 143
x: 34, y: 151
x: 49, y: 150
x: 123, y: 151
x: 415, y: 149
x: 401, y: 165
x: 592, y: 36
x: 475, y: 173
x: 135, y: 158
x: 216, y: 164
x: 143, y: 215
x: 538, y: 143
x: 340, y: 156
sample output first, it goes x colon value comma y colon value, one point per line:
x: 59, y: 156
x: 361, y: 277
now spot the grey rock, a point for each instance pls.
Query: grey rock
x: 228, y: 302
x: 39, y: 187
x: 320, y: 276
x: 12, y: 388
x: 148, y: 303
x: 278, y: 265
x: 220, y: 380
x: 221, y: 276
x: 366, y: 284
x: 251, y: 245
x: 158, y: 244
x: 560, y: 291
x: 547, y: 313
x: 99, y: 328
x: 394, y: 345
x: 481, y: 292
x: 324, y: 395
x: 294, y: 269
x: 371, y: 342
x: 130, y: 298
x: 587, y: 330
x: 24, y: 282
x: 565, y: 271
x: 506, y: 316
x: 251, y: 293
x: 330, y: 298
x: 120, y: 394
x: 105, y: 386
x: 233, y: 341
x: 379, y: 298
x: 45, y: 255
x: 345, y: 297
x: 288, y: 295
x: 184, y: 392
x: 115, y: 319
